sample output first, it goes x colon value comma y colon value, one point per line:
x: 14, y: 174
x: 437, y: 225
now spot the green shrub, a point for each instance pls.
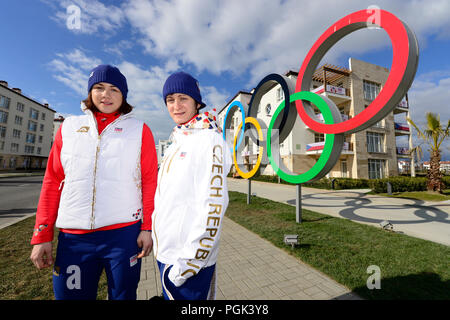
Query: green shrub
x: 349, y: 183
x: 446, y: 180
x: 399, y: 184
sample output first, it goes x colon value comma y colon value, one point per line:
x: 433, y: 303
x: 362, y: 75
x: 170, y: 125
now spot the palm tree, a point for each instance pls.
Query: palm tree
x: 433, y: 135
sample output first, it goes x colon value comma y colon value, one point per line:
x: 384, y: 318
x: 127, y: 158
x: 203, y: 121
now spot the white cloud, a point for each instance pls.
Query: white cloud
x: 73, y: 68
x: 213, y: 97
x: 265, y: 36
x: 245, y: 40
x: 94, y: 16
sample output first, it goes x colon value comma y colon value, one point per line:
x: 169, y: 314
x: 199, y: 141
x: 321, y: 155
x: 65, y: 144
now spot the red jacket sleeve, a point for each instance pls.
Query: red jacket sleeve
x: 149, y: 176
x: 47, y: 209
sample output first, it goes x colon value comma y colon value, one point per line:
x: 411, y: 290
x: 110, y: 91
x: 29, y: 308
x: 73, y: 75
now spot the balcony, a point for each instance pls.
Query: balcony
x: 317, y: 148
x: 403, y: 152
x: 334, y: 79
x: 401, y: 129
x: 401, y: 107
x: 337, y: 94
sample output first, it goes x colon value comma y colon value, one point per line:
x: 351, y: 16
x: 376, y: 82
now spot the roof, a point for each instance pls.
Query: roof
x: 28, y: 98
x: 330, y: 72
x: 232, y: 99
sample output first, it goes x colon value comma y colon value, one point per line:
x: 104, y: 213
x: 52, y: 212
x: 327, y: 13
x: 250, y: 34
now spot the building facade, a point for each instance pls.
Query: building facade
x: 26, y: 130
x: 372, y: 153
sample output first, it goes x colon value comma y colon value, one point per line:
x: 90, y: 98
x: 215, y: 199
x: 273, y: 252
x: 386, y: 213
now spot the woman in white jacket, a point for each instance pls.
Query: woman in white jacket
x: 191, y: 196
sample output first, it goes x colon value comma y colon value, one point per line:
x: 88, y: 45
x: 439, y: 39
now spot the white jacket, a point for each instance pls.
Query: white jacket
x: 102, y: 183
x: 191, y: 199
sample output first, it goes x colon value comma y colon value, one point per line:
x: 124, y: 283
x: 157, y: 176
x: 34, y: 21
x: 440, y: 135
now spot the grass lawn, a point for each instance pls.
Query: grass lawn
x: 411, y: 268
x: 419, y: 195
x: 19, y: 278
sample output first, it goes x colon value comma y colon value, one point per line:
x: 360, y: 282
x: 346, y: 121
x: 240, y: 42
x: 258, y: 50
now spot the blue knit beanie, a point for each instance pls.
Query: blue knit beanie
x: 109, y: 74
x: 182, y: 82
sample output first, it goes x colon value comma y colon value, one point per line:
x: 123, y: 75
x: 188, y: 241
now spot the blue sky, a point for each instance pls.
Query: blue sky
x: 227, y: 46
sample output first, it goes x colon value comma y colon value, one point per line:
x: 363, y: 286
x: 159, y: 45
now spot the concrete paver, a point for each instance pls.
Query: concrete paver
x: 251, y: 268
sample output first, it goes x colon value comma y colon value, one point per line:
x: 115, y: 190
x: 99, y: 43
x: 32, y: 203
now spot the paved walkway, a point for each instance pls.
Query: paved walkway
x: 251, y: 268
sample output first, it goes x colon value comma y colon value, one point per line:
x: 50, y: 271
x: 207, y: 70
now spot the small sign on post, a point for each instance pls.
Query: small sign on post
x: 291, y: 239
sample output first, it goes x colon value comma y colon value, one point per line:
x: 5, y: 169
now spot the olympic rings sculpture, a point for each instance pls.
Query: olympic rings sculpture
x: 298, y: 99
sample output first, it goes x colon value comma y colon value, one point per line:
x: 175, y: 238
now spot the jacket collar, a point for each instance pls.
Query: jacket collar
x: 200, y: 122
x: 90, y: 113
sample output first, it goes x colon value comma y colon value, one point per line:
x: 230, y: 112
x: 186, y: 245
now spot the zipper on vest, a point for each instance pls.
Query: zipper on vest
x: 95, y: 165
x: 95, y: 178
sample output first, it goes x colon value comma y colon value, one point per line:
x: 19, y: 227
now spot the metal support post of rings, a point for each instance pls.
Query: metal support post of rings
x: 403, y: 69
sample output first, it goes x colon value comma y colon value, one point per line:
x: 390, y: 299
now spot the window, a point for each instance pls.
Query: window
x: 14, y: 147
x: 371, y: 90
x: 40, y: 139
x: 280, y: 94
x: 18, y: 120
x: 375, y: 142
x: 2, y: 146
x: 4, y: 102
x: 41, y: 127
x: 38, y: 150
x: 29, y: 149
x: 34, y: 114
x: 376, y: 168
x: 16, y: 133
x: 31, y: 138
x: 319, y: 137
x: 3, y: 117
x: 2, y: 131
x: 42, y: 116
x: 32, y: 125
x: 20, y: 107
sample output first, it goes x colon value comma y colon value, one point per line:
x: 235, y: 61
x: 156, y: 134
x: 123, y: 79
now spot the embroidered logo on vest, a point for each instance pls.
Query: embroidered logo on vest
x: 83, y: 129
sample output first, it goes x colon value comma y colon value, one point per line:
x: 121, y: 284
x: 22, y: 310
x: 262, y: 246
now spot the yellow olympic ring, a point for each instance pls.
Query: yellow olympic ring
x: 251, y: 173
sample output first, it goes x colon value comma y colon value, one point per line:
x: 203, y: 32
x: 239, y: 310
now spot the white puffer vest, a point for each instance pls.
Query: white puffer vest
x: 102, y: 183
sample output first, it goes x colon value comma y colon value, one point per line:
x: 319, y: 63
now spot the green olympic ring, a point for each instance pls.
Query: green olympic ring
x: 331, y: 143
x: 404, y: 67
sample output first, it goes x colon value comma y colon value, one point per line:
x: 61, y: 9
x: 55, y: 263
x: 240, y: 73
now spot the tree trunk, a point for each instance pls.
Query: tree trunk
x: 434, y: 175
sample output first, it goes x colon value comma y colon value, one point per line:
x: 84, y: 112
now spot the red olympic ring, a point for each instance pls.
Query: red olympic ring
x: 403, y: 69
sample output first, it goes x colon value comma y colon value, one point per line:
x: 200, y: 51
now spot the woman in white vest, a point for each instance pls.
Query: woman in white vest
x: 192, y: 195
x: 98, y: 189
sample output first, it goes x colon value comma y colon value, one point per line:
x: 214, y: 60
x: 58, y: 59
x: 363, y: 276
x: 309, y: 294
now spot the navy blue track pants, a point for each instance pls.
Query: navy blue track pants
x: 199, y: 287
x: 81, y: 258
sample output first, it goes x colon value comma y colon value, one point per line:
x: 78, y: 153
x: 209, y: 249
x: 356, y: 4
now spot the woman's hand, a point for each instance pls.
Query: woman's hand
x: 145, y: 242
x: 41, y: 255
